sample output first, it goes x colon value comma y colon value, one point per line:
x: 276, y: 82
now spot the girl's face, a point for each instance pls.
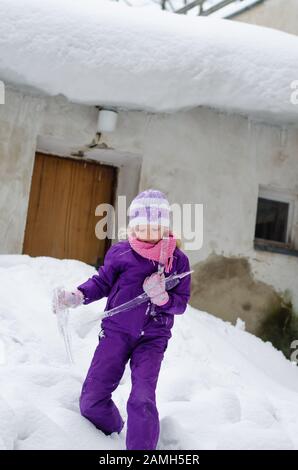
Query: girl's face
x: 149, y: 232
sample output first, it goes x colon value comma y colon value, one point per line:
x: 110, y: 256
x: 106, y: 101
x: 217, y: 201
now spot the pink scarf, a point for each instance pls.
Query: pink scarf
x: 152, y: 250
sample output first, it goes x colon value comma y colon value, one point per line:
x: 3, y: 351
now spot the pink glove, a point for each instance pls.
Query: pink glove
x: 68, y: 299
x: 155, y: 288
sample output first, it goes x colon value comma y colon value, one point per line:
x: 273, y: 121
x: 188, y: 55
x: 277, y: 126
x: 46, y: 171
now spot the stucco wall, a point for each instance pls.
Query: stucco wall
x: 199, y: 156
x: 52, y: 125
x: 19, y: 122
x: 220, y: 160
x: 277, y: 14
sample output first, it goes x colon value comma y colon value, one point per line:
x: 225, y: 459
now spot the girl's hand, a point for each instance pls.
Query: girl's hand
x: 68, y: 299
x: 155, y: 288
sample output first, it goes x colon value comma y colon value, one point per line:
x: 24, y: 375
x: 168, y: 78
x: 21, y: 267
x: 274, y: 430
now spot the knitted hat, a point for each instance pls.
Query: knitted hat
x: 149, y: 207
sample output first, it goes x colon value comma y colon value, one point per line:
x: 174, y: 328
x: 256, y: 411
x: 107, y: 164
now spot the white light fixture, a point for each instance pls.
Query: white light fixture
x: 107, y: 120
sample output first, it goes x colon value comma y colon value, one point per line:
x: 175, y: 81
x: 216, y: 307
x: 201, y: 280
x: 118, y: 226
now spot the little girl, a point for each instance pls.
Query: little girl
x: 140, y: 334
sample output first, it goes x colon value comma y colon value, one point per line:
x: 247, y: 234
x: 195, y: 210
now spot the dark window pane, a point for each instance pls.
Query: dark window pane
x: 272, y: 219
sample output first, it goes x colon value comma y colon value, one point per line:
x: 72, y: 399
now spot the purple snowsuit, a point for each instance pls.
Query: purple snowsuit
x: 140, y: 334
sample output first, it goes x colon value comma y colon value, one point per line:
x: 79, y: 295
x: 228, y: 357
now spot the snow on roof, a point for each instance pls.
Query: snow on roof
x: 102, y: 53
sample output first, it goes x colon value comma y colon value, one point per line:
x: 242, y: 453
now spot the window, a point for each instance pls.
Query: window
x: 274, y: 220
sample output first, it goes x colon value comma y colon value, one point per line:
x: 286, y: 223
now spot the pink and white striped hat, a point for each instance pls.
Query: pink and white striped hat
x: 149, y: 207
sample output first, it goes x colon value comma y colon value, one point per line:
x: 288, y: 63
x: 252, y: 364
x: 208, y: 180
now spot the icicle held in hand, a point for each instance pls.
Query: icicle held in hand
x: 171, y: 282
x: 62, y: 314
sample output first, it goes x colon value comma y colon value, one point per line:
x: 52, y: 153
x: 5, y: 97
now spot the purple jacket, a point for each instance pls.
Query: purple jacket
x: 121, y: 279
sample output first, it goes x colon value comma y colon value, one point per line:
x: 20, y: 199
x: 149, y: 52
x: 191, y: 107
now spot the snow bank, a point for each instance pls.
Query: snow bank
x: 219, y: 387
x: 102, y: 53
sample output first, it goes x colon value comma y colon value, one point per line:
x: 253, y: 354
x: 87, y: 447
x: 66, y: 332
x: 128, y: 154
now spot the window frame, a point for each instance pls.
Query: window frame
x: 279, y: 195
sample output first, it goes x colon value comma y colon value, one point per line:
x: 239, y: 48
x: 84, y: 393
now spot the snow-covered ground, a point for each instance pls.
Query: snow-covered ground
x: 219, y: 387
x: 102, y: 53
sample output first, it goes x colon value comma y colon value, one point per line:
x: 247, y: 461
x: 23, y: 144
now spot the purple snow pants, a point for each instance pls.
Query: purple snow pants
x: 107, y: 367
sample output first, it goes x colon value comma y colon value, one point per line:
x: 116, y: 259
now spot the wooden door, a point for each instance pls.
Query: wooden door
x: 61, y: 215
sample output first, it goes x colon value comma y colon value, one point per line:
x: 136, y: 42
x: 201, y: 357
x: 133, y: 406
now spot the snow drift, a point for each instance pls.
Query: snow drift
x: 219, y: 387
x: 101, y: 53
